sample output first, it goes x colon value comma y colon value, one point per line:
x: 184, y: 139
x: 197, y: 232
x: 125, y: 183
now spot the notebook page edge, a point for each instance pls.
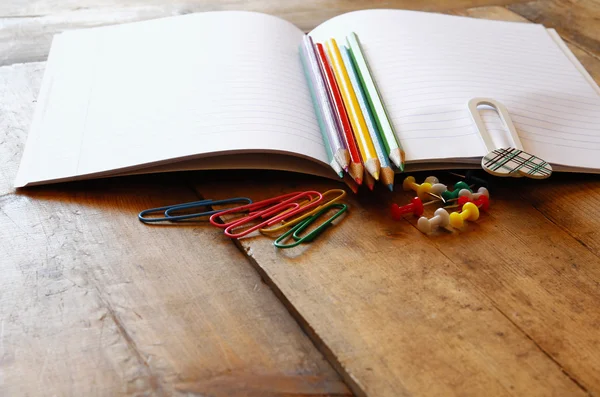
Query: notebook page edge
x: 563, y: 46
x: 283, y: 161
x: 22, y: 178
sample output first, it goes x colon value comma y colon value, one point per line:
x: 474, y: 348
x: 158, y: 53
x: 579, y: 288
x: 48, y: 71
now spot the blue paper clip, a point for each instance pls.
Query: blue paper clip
x: 300, y: 227
x: 194, y: 204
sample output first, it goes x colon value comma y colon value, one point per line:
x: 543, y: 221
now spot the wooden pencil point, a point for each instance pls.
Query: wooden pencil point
x: 342, y: 156
x: 356, y: 171
x: 373, y: 167
x: 370, y: 181
x: 397, y: 157
x: 387, y: 177
x: 351, y: 184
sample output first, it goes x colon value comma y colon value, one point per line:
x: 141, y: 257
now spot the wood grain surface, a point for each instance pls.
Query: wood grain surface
x: 95, y: 303
x: 92, y: 302
x: 463, y: 313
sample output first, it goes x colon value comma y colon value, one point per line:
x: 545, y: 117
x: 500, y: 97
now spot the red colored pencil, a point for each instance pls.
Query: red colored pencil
x: 355, y: 169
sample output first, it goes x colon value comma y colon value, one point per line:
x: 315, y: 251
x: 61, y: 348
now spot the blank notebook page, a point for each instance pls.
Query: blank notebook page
x: 121, y: 96
x: 427, y: 67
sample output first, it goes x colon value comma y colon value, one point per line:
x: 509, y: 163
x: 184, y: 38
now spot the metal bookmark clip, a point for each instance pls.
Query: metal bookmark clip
x: 512, y: 161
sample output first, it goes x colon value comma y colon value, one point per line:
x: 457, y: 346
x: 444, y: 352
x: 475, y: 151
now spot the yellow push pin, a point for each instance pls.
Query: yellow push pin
x: 470, y: 212
x: 422, y: 190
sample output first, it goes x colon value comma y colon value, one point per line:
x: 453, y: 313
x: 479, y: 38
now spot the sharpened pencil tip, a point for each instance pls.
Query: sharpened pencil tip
x: 359, y: 181
x: 397, y: 157
x: 391, y: 187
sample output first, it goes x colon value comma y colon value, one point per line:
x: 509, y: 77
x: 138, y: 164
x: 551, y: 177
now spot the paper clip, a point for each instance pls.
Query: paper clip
x: 285, y: 224
x: 142, y: 216
x: 251, y: 208
x: 270, y: 212
x: 290, y: 203
x: 300, y: 227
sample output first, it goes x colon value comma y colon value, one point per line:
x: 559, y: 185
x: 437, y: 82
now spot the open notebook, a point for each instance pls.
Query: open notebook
x: 226, y: 90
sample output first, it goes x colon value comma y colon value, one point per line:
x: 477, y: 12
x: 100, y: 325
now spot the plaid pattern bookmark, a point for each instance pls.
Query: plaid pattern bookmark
x: 515, y: 162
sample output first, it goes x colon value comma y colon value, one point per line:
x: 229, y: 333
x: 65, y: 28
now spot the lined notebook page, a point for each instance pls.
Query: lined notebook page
x: 122, y: 96
x: 428, y: 66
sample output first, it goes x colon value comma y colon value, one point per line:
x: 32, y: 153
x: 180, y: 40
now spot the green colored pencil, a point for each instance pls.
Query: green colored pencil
x: 390, y: 141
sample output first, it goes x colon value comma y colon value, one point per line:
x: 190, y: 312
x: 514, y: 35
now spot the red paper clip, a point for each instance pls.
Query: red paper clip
x: 285, y: 209
x: 254, y: 208
x: 289, y: 207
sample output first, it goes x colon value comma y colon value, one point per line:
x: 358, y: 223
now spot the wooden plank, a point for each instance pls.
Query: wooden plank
x: 570, y: 202
x: 93, y: 302
x: 26, y: 28
x: 466, y: 313
x: 575, y: 20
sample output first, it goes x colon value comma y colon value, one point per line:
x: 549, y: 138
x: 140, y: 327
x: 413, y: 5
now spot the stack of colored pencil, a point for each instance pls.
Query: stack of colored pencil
x: 358, y: 134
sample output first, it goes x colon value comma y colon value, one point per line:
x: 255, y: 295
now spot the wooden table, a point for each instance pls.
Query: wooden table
x: 92, y: 302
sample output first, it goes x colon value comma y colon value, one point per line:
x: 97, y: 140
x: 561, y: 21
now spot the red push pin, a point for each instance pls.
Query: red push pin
x: 415, y: 207
x: 482, y: 202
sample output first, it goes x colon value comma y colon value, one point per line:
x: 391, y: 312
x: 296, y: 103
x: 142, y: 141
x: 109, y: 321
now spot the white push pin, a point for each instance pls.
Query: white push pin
x: 474, y: 196
x: 440, y: 218
x: 465, y: 193
x: 432, y: 180
x: 438, y: 188
x: 436, y: 191
x: 481, y: 192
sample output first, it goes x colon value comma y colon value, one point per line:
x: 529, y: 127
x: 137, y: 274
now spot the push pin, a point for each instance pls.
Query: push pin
x: 447, y: 195
x: 482, y: 191
x: 471, y: 179
x: 436, y: 191
x: 415, y: 207
x: 464, y: 196
x: 482, y: 202
x: 431, y: 180
x: 438, y: 188
x: 440, y: 218
x: 469, y: 196
x: 470, y: 212
x: 421, y: 190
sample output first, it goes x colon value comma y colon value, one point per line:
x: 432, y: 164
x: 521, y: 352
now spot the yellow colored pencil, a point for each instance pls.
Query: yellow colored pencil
x: 369, y: 181
x: 359, y: 127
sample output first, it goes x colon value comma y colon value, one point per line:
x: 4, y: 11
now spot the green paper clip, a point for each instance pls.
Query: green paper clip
x: 300, y: 227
